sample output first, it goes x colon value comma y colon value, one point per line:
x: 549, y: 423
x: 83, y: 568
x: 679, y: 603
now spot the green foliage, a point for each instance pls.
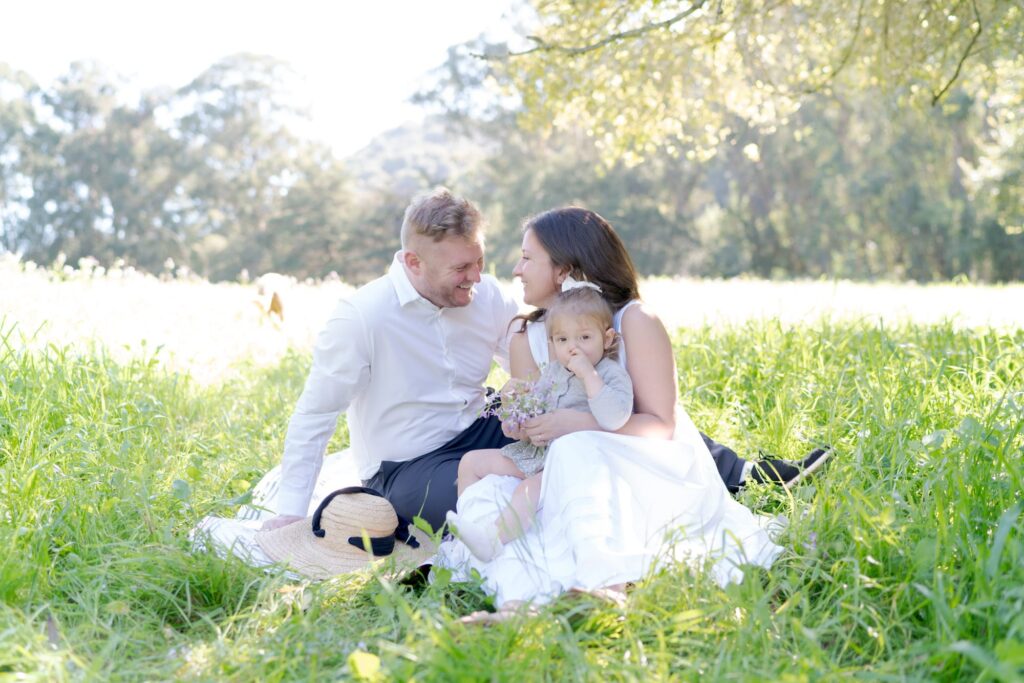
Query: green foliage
x: 847, y: 187
x: 209, y: 176
x: 781, y: 141
x: 905, y: 558
x: 795, y: 140
x: 640, y: 74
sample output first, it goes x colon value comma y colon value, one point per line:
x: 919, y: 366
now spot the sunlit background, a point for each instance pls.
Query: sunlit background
x: 814, y: 160
x: 825, y: 201
x: 808, y: 140
x: 356, y: 63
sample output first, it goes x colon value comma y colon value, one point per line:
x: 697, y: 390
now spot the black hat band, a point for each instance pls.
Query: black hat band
x: 379, y: 545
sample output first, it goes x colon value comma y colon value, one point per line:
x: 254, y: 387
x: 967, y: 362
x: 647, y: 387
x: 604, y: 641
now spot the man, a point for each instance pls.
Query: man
x: 407, y: 357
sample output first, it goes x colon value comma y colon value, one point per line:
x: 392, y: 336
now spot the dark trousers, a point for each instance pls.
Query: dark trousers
x: 730, y: 465
x: 426, y: 485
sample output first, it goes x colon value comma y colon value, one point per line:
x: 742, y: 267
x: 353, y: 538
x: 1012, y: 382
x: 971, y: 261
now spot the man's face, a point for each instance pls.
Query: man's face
x: 444, y: 272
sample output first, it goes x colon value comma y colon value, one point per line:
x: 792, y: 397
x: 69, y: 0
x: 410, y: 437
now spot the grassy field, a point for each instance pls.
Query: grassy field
x: 904, y: 561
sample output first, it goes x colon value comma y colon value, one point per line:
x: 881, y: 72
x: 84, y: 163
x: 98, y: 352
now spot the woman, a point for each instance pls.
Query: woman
x: 612, y: 504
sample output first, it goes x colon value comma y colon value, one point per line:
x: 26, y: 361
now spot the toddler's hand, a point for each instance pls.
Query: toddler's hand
x: 579, y: 364
x: 514, y: 430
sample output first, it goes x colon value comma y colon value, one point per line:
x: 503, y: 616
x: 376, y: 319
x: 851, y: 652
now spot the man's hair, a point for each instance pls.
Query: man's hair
x: 582, y: 301
x: 440, y: 214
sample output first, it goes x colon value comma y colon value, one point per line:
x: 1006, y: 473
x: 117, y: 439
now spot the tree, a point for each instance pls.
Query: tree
x: 309, y: 226
x: 851, y: 185
x: 238, y: 160
x: 639, y: 75
x: 209, y: 176
x: 86, y: 174
x: 16, y: 122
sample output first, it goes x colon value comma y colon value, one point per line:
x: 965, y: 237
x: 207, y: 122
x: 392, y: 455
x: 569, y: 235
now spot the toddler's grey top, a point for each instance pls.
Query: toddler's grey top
x: 611, y: 407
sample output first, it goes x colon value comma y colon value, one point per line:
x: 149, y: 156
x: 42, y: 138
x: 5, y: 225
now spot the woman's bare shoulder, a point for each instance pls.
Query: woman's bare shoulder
x: 641, y: 318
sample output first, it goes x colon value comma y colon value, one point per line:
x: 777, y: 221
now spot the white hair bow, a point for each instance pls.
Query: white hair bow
x: 572, y: 283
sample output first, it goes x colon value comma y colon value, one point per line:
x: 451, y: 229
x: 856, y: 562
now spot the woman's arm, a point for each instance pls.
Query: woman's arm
x: 520, y: 361
x: 651, y: 364
x: 522, y: 367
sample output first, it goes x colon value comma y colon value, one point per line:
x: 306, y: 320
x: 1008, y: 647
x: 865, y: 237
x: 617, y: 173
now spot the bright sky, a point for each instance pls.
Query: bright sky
x: 358, y: 62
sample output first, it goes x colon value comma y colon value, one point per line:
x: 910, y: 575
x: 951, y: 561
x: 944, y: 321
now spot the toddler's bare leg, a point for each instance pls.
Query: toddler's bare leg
x: 485, y: 541
x: 517, y: 517
x: 476, y: 465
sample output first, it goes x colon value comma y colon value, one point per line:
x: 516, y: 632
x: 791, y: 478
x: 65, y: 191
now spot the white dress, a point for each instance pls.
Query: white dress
x: 612, y: 509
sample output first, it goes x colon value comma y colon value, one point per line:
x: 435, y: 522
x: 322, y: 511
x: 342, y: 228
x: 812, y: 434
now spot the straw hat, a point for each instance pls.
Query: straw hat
x: 332, y: 542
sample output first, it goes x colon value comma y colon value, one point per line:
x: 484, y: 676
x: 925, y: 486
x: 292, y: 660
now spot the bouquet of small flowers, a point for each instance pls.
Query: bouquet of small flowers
x: 521, y: 400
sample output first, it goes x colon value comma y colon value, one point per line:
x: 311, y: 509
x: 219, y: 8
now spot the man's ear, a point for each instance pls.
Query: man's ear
x: 412, y: 261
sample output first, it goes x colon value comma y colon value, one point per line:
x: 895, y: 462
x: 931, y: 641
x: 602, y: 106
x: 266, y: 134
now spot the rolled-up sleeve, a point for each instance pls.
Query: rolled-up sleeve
x: 614, y: 403
x: 341, y: 369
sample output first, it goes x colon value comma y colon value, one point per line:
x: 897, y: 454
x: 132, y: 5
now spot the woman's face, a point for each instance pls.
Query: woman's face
x: 541, y: 279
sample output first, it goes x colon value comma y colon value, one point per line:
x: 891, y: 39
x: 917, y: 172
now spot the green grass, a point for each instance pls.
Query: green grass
x: 905, y: 560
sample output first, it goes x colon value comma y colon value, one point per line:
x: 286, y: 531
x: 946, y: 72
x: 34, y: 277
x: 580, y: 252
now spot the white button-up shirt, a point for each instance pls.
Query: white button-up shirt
x: 409, y: 374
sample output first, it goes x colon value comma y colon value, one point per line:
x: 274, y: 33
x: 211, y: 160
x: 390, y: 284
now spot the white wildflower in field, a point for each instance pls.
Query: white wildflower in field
x: 206, y: 328
x: 199, y: 327
x: 684, y: 302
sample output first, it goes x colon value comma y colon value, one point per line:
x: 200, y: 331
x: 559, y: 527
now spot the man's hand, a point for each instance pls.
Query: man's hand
x: 280, y: 521
x: 545, y: 428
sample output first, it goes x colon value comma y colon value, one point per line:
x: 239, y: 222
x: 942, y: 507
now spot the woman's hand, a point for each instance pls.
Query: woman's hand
x: 545, y: 428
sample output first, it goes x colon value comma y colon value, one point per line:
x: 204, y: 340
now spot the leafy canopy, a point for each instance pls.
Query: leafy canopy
x: 641, y: 74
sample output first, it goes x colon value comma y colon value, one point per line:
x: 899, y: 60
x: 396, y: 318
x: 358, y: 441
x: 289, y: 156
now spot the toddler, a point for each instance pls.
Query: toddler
x: 586, y: 376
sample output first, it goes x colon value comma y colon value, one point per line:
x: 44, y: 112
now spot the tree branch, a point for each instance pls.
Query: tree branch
x: 542, y: 46
x: 847, y: 53
x: 963, y: 58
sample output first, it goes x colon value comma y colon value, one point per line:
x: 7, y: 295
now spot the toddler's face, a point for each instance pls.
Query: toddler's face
x: 572, y: 335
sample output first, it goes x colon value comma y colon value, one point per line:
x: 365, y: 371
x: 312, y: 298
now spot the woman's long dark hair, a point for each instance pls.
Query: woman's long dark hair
x: 587, y: 244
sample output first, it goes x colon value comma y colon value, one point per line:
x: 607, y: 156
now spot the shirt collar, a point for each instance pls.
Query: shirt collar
x: 400, y: 280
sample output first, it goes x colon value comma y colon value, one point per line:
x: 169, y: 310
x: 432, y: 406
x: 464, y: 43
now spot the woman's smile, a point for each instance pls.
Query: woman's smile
x: 535, y: 270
